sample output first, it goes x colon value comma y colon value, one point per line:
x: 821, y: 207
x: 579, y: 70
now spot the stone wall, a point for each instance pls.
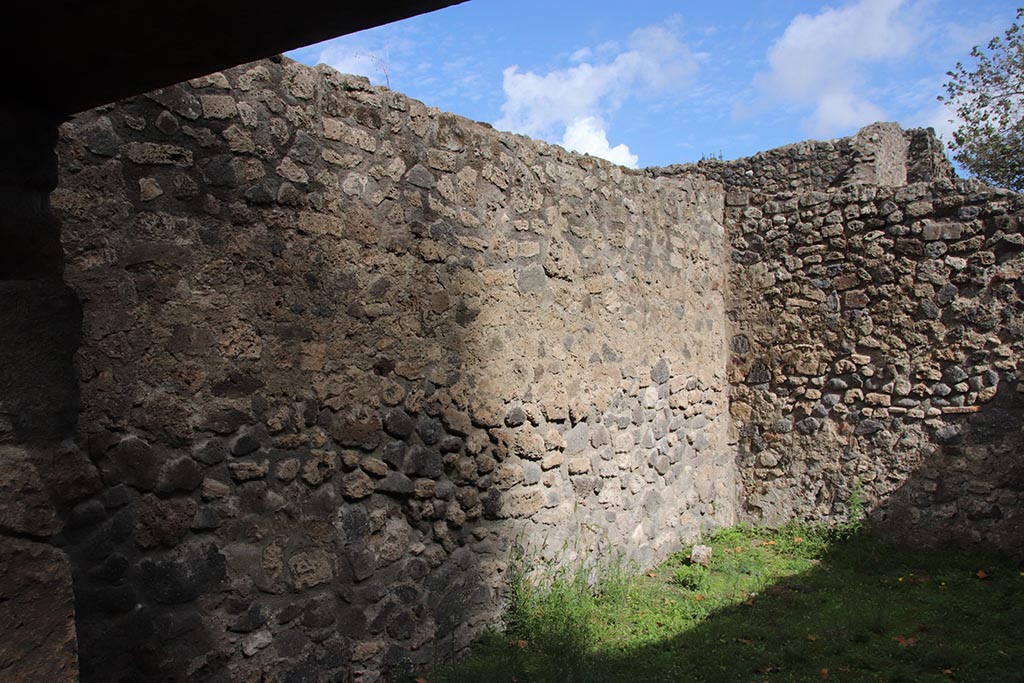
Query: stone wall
x: 878, y: 336
x: 880, y: 154
x: 39, y: 329
x: 341, y: 350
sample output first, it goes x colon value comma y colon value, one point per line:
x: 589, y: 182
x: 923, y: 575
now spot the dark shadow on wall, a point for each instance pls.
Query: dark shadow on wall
x: 958, y: 478
x: 261, y: 377
x: 969, y: 486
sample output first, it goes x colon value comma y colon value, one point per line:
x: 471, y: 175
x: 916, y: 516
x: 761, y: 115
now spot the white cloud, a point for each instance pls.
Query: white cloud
x: 393, y: 55
x: 960, y: 38
x: 587, y: 136
x: 573, y: 103
x: 535, y: 104
x: 359, y: 63
x: 940, y: 117
x: 840, y: 111
x: 383, y: 55
x: 819, y: 61
x: 582, y: 54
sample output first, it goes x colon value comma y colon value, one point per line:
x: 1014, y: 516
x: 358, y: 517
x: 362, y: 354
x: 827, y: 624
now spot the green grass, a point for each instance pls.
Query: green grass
x: 799, y: 603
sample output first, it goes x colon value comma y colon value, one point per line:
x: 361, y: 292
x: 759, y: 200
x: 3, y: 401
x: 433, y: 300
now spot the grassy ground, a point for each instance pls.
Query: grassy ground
x: 776, y: 605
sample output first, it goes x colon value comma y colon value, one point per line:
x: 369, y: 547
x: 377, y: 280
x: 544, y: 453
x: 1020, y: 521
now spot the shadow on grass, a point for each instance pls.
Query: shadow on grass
x: 767, y: 610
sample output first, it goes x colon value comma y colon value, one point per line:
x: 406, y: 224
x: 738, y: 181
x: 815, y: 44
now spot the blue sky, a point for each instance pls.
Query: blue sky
x: 655, y: 82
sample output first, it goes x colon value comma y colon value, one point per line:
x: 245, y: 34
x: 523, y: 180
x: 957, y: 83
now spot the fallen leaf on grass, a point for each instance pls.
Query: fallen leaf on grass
x: 812, y: 638
x: 823, y: 673
x: 652, y: 575
x: 982, y: 574
x: 745, y: 641
x: 948, y: 672
x: 797, y: 539
x: 767, y: 669
x: 905, y: 642
x: 698, y: 598
x: 420, y: 680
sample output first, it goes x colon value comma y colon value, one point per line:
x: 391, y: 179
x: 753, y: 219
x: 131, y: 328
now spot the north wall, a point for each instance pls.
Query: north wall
x: 345, y: 355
